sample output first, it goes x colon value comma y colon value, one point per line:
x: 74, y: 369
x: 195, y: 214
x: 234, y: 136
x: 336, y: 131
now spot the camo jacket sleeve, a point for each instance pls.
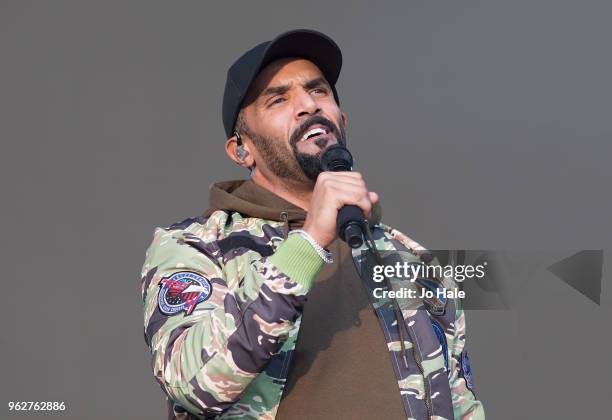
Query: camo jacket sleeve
x: 213, y: 320
x: 465, y: 404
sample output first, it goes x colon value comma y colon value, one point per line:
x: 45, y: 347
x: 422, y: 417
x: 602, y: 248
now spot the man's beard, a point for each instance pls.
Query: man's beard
x: 301, y: 167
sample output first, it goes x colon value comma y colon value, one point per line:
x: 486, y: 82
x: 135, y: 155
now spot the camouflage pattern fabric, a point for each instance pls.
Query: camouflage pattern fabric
x: 226, y: 355
x: 433, y: 385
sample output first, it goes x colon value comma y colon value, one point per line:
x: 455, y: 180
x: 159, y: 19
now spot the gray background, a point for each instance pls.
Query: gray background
x: 482, y: 124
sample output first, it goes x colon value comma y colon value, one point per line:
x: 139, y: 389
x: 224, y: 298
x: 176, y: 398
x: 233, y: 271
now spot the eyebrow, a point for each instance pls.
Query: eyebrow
x: 319, y: 81
x: 279, y: 90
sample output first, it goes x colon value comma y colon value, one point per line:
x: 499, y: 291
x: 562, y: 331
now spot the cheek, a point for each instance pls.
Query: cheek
x: 332, y: 112
x: 276, y: 124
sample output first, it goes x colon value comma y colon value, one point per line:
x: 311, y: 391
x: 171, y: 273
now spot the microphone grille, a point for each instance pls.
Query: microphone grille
x: 337, y: 158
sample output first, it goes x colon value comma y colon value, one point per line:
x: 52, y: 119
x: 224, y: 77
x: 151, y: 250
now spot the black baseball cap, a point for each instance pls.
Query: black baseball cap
x: 306, y: 43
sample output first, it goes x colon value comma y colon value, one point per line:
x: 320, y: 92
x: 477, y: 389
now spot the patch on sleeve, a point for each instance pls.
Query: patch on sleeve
x: 182, y: 291
x: 466, y: 370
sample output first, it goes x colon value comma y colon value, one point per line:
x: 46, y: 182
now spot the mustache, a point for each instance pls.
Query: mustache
x: 317, y: 119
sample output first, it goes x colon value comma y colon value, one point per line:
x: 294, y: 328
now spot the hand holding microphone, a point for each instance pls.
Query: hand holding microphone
x: 340, y: 200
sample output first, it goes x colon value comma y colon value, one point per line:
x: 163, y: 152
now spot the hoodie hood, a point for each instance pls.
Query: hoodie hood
x: 252, y: 200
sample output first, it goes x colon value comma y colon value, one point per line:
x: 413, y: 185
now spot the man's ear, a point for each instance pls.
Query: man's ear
x: 344, y: 119
x: 238, y: 153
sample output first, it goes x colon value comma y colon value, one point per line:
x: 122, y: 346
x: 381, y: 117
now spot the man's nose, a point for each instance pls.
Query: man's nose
x: 305, y: 105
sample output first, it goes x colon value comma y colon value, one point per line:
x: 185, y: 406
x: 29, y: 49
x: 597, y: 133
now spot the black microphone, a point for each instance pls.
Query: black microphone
x: 350, y: 220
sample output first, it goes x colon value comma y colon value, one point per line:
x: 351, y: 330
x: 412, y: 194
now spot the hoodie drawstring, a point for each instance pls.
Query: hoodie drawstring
x: 284, y: 216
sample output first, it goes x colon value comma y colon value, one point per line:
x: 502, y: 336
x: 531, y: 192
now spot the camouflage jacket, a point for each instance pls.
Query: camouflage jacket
x: 223, y: 297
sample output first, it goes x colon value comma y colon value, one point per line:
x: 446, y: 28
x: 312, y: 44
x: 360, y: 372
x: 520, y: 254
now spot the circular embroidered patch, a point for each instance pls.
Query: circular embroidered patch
x: 182, y: 291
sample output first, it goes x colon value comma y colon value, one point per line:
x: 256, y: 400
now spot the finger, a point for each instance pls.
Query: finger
x: 365, y: 205
x: 347, y: 183
x: 346, y: 174
x: 348, y: 195
x: 345, y: 191
x: 340, y: 177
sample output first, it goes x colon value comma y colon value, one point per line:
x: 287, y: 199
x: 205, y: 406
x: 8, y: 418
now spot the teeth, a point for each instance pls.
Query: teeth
x: 313, y: 132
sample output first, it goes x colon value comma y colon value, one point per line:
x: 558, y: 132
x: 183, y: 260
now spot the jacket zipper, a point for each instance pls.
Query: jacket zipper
x: 399, y: 318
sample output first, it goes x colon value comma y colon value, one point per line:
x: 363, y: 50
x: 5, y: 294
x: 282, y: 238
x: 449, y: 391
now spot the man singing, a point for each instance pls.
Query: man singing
x: 255, y: 309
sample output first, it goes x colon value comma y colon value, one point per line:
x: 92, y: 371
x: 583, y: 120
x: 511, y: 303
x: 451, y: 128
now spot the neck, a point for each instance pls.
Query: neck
x: 295, y: 193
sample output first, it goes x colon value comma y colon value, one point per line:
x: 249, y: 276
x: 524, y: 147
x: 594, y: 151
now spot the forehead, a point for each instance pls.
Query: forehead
x: 284, y: 71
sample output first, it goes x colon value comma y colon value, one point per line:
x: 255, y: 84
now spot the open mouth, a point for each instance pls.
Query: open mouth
x: 315, y: 132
